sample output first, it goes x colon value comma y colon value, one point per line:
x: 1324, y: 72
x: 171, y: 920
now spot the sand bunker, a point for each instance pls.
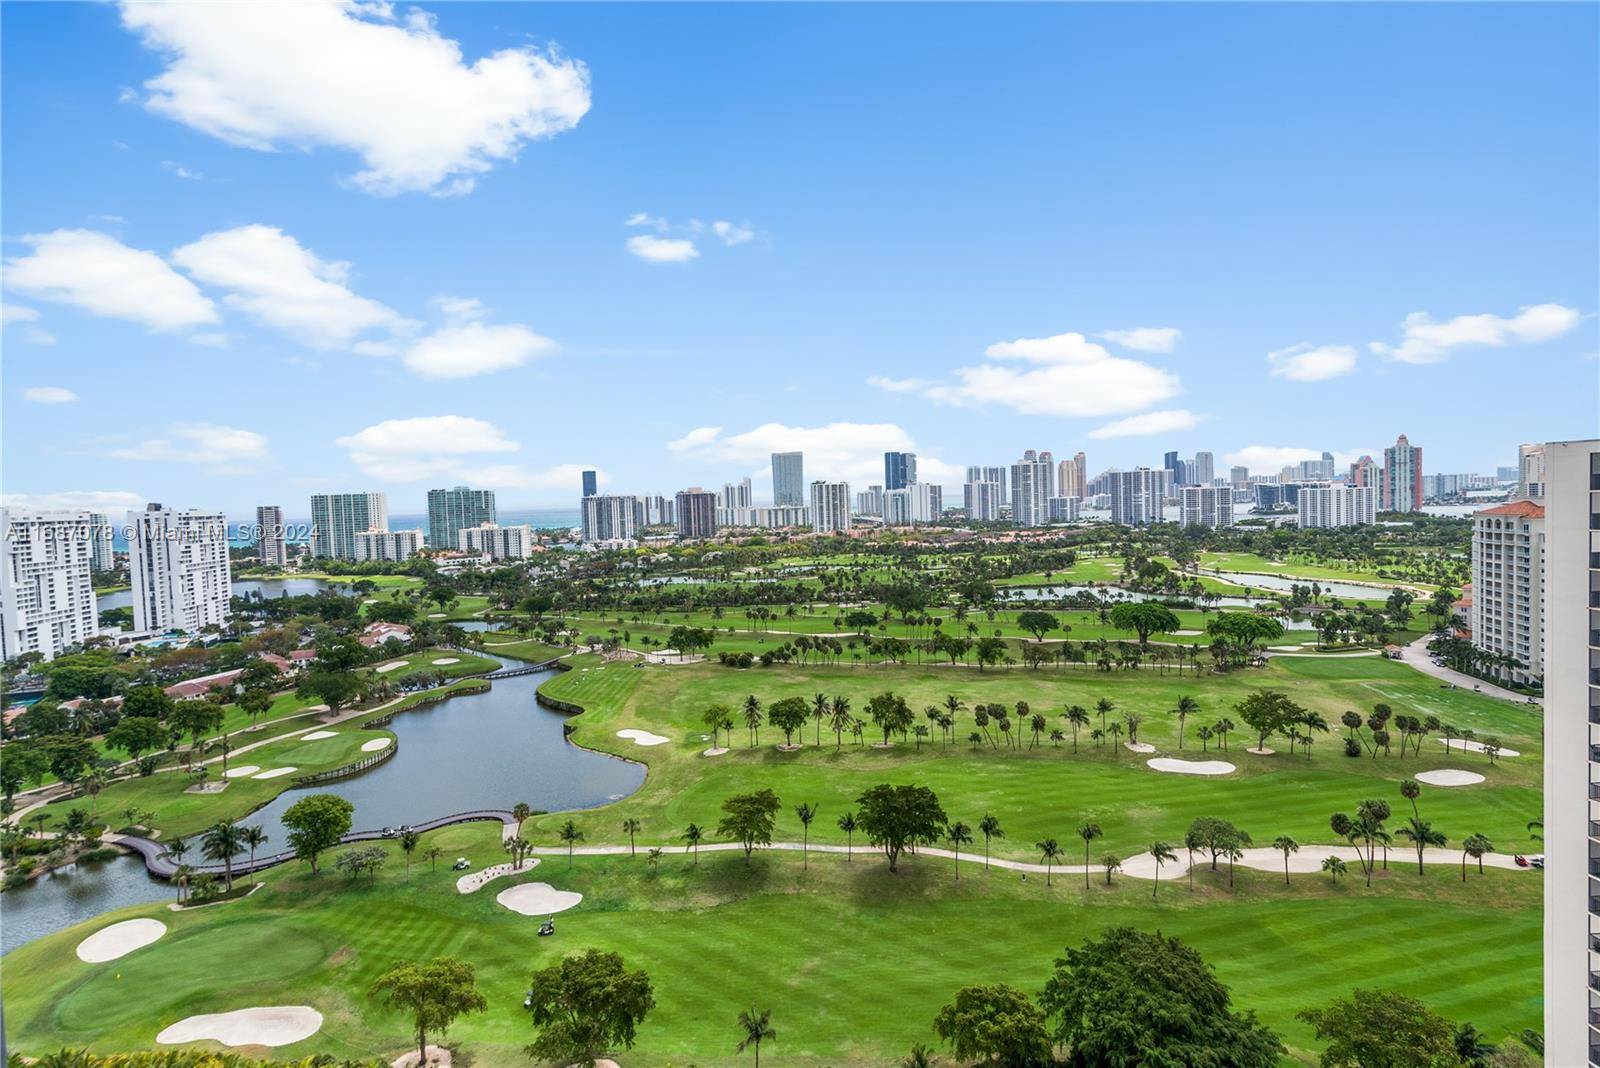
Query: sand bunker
x: 1260, y: 750
x: 447, y: 660
x: 642, y: 737
x: 436, y: 615
x: 241, y: 771
x: 1139, y: 747
x: 274, y: 1025
x: 718, y: 750
x: 1475, y: 747
x: 376, y: 744
x: 473, y: 881
x: 1449, y: 777
x: 393, y: 665
x: 275, y: 773
x: 537, y: 899
x: 1192, y: 767
x: 119, y: 940
x: 317, y: 736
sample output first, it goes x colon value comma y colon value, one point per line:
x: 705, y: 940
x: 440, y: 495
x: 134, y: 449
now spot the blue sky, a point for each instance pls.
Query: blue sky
x: 252, y: 257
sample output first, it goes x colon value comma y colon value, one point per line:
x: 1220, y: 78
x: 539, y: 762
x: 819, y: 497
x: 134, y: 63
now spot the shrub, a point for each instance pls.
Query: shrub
x: 1352, y: 748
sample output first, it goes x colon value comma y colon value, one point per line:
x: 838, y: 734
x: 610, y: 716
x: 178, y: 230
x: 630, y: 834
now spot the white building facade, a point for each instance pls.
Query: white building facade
x: 497, y: 542
x: 47, y: 602
x: 391, y: 546
x: 1206, y: 505
x: 830, y: 507
x: 1136, y: 496
x: 271, y: 546
x: 179, y: 568
x: 982, y: 500
x: 611, y: 517
x: 1508, y: 547
x: 1328, y: 505
x: 336, y: 519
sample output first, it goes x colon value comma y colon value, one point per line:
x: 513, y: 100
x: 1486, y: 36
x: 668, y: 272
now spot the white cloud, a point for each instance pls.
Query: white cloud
x: 181, y: 171
x: 111, y: 502
x: 1425, y: 341
x: 104, y: 277
x: 1270, y: 459
x: 459, y: 309
x: 1158, y: 339
x: 449, y: 447
x: 49, y: 395
x: 898, y: 385
x: 731, y: 233
x: 1306, y: 362
x: 226, y: 449
x: 852, y: 451
x: 662, y: 249
x: 1148, y: 423
x: 350, y: 76
x: 17, y: 313
x: 640, y: 218
x: 475, y: 349
x: 1060, y: 348
x: 696, y: 438
x: 437, y: 434
x: 274, y: 279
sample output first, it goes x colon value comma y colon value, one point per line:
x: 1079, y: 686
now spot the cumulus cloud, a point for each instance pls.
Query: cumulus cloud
x: 1157, y: 339
x: 17, y: 313
x: 475, y: 349
x: 898, y: 385
x: 454, y: 447
x: 1306, y: 362
x: 49, y: 395
x: 353, y: 76
x: 696, y: 438
x: 732, y: 233
x: 225, y: 449
x: 851, y: 451
x: 111, y: 502
x: 1148, y: 423
x: 1425, y: 341
x: 662, y: 249
x: 275, y: 280
x: 104, y: 277
x: 1270, y: 459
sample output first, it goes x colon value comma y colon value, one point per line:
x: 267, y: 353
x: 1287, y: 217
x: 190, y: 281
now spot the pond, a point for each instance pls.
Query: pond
x: 1116, y: 594
x: 73, y: 894
x: 1348, y: 591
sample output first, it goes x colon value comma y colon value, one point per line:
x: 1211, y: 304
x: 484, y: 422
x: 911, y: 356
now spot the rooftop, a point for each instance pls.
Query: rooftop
x: 1522, y: 509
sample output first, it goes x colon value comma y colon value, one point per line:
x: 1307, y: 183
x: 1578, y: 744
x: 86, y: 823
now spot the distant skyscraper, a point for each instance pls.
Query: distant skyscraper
x: 990, y: 474
x: 1365, y: 472
x: 736, y: 495
x: 1239, y: 476
x: 47, y: 601
x: 1206, y: 506
x: 899, y: 470
x: 178, y: 565
x: 830, y: 505
x: 1530, y: 471
x: 1402, y: 476
x: 1070, y: 477
x: 870, y: 502
x: 450, y: 511
x: 609, y: 517
x: 981, y: 500
x: 1204, y: 469
x: 1326, y: 505
x: 336, y: 519
x: 270, y: 545
x: 591, y: 484
x: 101, y: 555
x: 696, y: 510
x: 1135, y: 496
x: 1030, y: 490
x: 788, y: 478
x: 388, y: 546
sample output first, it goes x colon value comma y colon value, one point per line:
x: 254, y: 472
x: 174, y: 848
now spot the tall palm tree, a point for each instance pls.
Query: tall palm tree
x: 1421, y: 834
x: 254, y: 838
x: 819, y: 712
x: 1475, y: 846
x: 630, y: 827
x: 752, y: 719
x: 571, y: 835
x: 989, y: 827
x: 1050, y: 852
x: 692, y: 835
x: 1186, y: 707
x: 1162, y: 852
x: 220, y: 843
x: 757, y: 1027
x: 959, y: 834
x: 806, y: 812
x: 840, y: 720
x: 1285, y: 845
x: 521, y: 811
x: 1078, y: 716
x: 1088, y: 832
x: 1104, y: 707
x: 847, y: 824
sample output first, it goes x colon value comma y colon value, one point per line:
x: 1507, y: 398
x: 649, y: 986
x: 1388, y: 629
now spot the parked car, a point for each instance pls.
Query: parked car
x: 461, y: 864
x: 1537, y: 861
x: 390, y: 832
x: 1521, y: 861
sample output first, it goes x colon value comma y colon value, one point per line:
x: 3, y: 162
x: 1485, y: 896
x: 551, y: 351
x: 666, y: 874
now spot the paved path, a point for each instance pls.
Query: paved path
x: 1416, y: 655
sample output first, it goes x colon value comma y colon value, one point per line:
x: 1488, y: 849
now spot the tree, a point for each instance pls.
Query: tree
x: 989, y: 827
x: 1078, y: 716
x: 1475, y: 846
x: 1285, y: 845
x: 995, y: 1024
x: 847, y: 824
x: 692, y: 836
x: 630, y: 827
x: 789, y: 715
x: 1145, y: 618
x: 1421, y: 834
x: 408, y: 845
x: 434, y: 994
x: 806, y: 813
x: 1186, y: 707
x: 1382, y: 1029
x: 1088, y: 831
x: 1334, y: 867
x: 570, y: 834
x: 255, y: 701
x: 219, y: 844
x: 890, y: 713
x: 333, y: 688
x: 1268, y: 712
x: 749, y: 818
x: 895, y: 818
x: 958, y: 834
x: 752, y: 720
x: 316, y: 824
x: 432, y: 855
x: 1038, y: 624
x: 756, y: 1024
x: 136, y: 735
x: 584, y: 1005
x: 1162, y: 852
x: 1129, y: 997
x: 714, y: 717
x: 1049, y: 852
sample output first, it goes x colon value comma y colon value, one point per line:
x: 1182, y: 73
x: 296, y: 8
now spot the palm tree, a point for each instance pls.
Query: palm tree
x: 692, y: 835
x: 1285, y: 845
x: 989, y: 827
x: 571, y: 835
x: 1186, y: 707
x: 757, y: 1027
x: 630, y: 827
x: 253, y: 838
x: 181, y: 877
x: 1050, y: 852
x: 408, y: 845
x: 840, y: 720
x: 1475, y: 846
x: 1334, y: 867
x: 175, y: 848
x: 847, y: 824
x: 432, y: 855
x: 1162, y: 852
x: 1421, y: 834
x: 1104, y: 707
x: 1088, y: 832
x: 819, y: 712
x: 220, y: 843
x: 807, y: 813
x: 959, y: 834
x: 520, y: 812
x: 752, y: 719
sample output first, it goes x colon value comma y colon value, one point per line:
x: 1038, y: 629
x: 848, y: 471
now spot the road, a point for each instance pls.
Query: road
x: 1416, y: 655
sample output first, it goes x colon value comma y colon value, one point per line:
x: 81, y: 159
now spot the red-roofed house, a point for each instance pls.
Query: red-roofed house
x: 377, y: 634
x: 191, y: 689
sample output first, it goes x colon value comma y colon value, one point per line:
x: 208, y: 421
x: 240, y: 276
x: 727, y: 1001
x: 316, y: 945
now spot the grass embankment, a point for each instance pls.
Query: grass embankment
x: 1301, y: 567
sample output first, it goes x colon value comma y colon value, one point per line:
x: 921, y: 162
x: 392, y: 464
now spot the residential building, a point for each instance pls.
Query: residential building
x: 1030, y: 489
x: 990, y: 474
x: 927, y: 502
x: 982, y: 500
x: 271, y: 548
x: 1508, y: 553
x: 658, y: 511
x: 1206, y: 506
x: 1366, y: 472
x: 1326, y: 504
x: 870, y: 502
x: 1268, y: 496
x: 1505, y: 476
x: 179, y: 568
x: 1178, y: 468
x: 788, y: 478
x: 609, y: 517
x: 591, y: 483
x: 1070, y: 477
x: 1402, y: 477
x: 1571, y: 477
x: 336, y: 519
x: 498, y: 542
x: 1530, y: 471
x: 899, y: 470
x: 47, y: 602
x: 897, y: 507
x: 1062, y: 509
x: 830, y: 504
x: 450, y: 511
x: 779, y: 516
x: 696, y: 512
x: 736, y: 494
x: 1136, y: 497
x: 1239, y: 477
x: 391, y: 546
x: 102, y: 557
x: 1203, y: 470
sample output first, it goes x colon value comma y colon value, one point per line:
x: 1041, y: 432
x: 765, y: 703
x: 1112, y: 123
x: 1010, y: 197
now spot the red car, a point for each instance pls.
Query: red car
x: 1522, y: 861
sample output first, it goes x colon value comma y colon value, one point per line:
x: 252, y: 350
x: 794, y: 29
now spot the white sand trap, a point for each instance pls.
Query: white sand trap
x: 447, y: 660
x: 639, y: 737
x: 393, y: 665
x: 1139, y: 747
x: 119, y: 940
x: 1449, y: 777
x: 1477, y: 747
x: 537, y: 899
x: 376, y: 744
x: 717, y: 750
x: 317, y: 736
x: 1260, y: 750
x: 1192, y: 767
x: 275, y: 773
x: 241, y: 770
x: 475, y: 880
x: 274, y: 1025
x: 437, y: 615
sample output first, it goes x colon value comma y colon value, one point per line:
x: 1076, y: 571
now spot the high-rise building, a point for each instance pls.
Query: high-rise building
x: 497, y: 542
x: 1048, y: 458
x: 452, y: 510
x: 897, y: 510
x: 1402, y: 476
x: 388, y: 546
x: 336, y: 519
x: 178, y: 565
x: 1170, y: 462
x: 1030, y: 490
x: 271, y: 548
x: 788, y: 478
x: 736, y: 495
x: 591, y: 483
x: 1062, y: 509
x: 981, y: 500
x: 1324, y: 504
x: 830, y: 503
x: 1508, y: 586
x: 1204, y: 469
x: 1070, y: 477
x: 1136, y: 497
x: 1366, y: 472
x: 609, y: 517
x: 1507, y: 475
x: 1571, y: 768
x: 102, y: 557
x: 696, y: 511
x: 1239, y: 476
x: 990, y: 474
x: 1206, y: 506
x: 927, y: 502
x: 1530, y: 471
x: 899, y: 470
x: 47, y: 602
x: 870, y: 502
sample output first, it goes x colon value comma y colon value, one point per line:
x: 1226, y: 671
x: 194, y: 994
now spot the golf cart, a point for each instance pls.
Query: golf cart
x: 461, y: 864
x: 548, y: 927
x: 1520, y: 860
